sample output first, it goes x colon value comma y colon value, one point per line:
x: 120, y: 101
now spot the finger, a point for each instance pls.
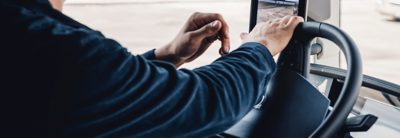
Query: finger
x: 275, y: 23
x: 269, y: 22
x: 203, y: 18
x: 224, y: 34
x: 200, y: 51
x: 277, y: 20
x: 285, y: 20
x: 294, y: 21
x: 208, y: 30
x: 243, y: 35
x: 221, y: 52
x: 206, y: 43
x: 211, y: 39
x: 225, y: 45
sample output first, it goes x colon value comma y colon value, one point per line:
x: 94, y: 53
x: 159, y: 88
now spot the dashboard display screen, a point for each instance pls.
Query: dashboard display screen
x: 272, y: 9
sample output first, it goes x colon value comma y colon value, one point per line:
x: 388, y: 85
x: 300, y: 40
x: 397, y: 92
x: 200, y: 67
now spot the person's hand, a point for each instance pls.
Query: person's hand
x: 275, y: 35
x: 198, y: 33
x: 57, y: 4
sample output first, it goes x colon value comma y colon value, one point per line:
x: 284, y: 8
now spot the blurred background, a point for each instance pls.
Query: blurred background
x: 142, y: 25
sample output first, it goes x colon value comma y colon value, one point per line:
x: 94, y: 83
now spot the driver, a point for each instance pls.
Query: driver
x: 61, y: 78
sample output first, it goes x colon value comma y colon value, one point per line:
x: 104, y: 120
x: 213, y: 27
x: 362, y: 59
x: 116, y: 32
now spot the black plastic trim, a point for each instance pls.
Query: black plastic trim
x: 368, y: 81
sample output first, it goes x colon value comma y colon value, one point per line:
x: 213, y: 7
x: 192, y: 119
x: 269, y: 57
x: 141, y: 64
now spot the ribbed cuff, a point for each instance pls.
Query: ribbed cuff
x: 260, y: 46
x: 150, y: 55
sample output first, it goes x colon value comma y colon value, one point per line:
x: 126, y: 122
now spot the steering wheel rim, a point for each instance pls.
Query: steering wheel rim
x: 306, y: 32
x: 285, y: 110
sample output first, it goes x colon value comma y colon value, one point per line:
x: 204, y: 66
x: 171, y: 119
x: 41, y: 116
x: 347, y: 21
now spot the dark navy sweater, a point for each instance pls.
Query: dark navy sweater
x: 60, y: 78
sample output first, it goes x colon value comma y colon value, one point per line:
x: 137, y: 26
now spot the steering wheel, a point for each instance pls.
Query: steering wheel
x: 292, y: 106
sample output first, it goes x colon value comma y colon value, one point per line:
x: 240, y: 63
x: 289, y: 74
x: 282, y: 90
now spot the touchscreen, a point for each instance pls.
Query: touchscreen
x: 272, y: 9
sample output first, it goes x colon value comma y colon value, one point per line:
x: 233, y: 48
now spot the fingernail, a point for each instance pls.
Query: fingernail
x: 214, y: 24
x: 226, y: 50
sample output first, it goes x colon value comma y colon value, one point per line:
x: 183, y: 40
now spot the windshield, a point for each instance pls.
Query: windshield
x: 142, y: 25
x: 377, y: 35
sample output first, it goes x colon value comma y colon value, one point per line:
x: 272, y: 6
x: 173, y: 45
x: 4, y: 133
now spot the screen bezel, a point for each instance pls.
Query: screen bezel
x: 254, y: 8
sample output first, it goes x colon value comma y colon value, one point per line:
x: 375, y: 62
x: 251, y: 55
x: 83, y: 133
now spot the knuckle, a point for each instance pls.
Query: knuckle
x: 218, y: 16
x: 196, y: 13
x: 190, y: 35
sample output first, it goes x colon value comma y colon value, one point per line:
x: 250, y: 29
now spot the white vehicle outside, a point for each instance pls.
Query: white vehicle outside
x: 390, y: 8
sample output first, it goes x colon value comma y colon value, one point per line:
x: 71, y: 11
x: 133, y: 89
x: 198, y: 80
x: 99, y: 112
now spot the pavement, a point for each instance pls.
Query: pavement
x: 141, y: 25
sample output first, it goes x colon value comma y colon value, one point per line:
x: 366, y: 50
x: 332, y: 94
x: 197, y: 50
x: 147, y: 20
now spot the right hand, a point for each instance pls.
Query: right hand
x: 275, y: 35
x: 196, y: 36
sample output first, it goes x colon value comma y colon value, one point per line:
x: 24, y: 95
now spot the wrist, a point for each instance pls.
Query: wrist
x: 272, y: 50
x: 265, y: 43
x: 166, y: 54
x: 262, y: 42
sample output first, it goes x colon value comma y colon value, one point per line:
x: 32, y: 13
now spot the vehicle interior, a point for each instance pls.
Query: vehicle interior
x: 329, y: 93
x: 302, y: 110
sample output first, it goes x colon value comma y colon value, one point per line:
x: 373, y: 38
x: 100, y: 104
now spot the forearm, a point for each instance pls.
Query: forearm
x: 242, y: 70
x: 235, y: 83
x: 154, y: 99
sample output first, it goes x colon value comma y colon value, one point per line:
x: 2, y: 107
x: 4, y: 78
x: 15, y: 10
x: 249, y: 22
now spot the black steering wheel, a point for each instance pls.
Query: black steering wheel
x: 292, y: 106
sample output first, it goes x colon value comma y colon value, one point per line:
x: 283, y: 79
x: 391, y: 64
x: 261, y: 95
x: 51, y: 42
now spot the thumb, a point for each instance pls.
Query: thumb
x: 208, y: 30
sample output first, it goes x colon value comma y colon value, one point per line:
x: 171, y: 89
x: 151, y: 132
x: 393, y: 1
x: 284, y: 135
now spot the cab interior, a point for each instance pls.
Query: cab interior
x: 342, y: 85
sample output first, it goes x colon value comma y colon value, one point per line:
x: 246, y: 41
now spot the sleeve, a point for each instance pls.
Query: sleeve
x: 103, y: 90
x: 150, y: 55
x: 124, y: 95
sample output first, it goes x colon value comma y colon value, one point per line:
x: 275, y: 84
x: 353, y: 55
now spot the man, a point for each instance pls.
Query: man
x: 63, y: 79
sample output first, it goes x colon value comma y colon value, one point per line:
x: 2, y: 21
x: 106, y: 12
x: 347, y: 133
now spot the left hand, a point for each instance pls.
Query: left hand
x: 198, y: 33
x: 274, y: 35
